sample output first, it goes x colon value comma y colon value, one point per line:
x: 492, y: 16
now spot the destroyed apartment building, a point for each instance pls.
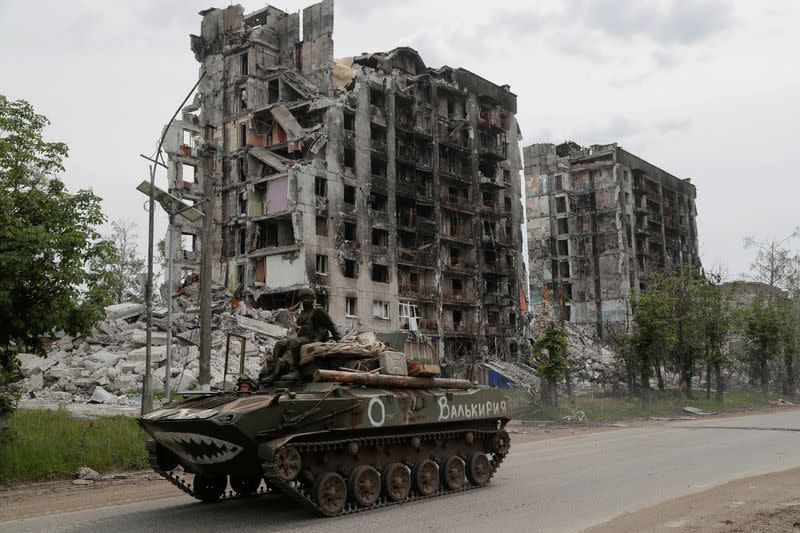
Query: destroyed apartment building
x: 390, y: 187
x: 600, y: 219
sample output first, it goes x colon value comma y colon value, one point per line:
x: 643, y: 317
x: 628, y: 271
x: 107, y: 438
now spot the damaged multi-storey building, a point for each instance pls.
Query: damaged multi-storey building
x: 390, y: 187
x: 600, y: 219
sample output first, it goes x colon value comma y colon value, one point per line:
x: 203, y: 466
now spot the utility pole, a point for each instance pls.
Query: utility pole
x: 170, y: 292
x: 147, y: 388
x: 209, y: 151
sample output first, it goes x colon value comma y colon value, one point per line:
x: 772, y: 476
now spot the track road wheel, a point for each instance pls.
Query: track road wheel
x: 425, y: 476
x: 501, y: 442
x: 288, y: 463
x: 209, y: 488
x: 330, y: 493
x: 478, y: 468
x: 453, y: 472
x: 396, y: 481
x: 244, y: 485
x: 365, y: 485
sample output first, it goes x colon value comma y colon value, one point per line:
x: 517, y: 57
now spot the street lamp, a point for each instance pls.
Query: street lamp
x: 174, y: 206
x: 147, y: 395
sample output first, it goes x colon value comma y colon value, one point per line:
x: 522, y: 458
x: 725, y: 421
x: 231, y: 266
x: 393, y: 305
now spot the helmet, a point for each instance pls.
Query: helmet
x: 305, y: 291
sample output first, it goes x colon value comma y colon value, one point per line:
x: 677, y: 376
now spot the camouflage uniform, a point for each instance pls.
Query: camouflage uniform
x: 313, y: 325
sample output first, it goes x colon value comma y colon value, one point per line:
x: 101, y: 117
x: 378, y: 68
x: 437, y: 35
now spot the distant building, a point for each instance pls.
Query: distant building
x: 389, y: 186
x: 599, y: 220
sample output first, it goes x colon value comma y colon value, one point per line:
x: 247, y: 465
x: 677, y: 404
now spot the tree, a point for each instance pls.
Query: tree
x: 778, y: 267
x: 48, y: 240
x: 127, y: 265
x: 654, y: 329
x: 765, y: 333
x: 549, y: 357
x: 716, y: 310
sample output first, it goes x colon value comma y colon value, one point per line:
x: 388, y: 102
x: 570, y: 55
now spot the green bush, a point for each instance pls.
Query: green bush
x: 43, y: 445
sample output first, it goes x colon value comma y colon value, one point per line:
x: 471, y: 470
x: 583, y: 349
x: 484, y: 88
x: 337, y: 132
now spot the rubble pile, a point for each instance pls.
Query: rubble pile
x: 594, y: 367
x: 108, y: 365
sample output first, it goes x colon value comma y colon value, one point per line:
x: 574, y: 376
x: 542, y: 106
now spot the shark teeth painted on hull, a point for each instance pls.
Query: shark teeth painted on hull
x: 199, y: 449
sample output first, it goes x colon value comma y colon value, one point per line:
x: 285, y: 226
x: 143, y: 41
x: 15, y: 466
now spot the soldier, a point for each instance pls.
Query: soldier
x: 313, y: 325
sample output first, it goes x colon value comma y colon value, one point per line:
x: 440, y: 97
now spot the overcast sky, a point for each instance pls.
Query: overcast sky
x: 705, y: 89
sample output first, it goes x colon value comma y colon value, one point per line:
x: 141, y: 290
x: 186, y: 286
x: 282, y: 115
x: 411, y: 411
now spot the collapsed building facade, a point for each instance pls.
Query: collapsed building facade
x: 600, y: 219
x: 390, y: 187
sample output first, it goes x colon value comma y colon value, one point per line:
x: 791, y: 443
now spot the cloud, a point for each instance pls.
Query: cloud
x: 666, y: 22
x: 676, y: 125
x: 614, y: 130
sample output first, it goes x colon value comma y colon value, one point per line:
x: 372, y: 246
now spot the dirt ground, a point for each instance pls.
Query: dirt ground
x: 767, y: 503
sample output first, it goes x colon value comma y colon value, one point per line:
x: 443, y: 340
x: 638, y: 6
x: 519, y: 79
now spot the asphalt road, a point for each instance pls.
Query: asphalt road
x: 563, y: 484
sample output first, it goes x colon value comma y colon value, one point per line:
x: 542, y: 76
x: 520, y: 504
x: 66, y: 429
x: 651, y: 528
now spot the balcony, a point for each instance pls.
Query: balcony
x: 451, y: 169
x: 428, y: 325
x: 497, y: 299
x: 406, y: 186
x: 493, y: 118
x: 492, y: 145
x: 378, y: 145
x: 379, y: 182
x: 417, y: 291
x: 460, y: 328
x: 460, y: 265
x: 418, y: 258
x: 464, y: 237
x: 458, y: 297
x: 498, y: 269
x: 455, y: 201
x: 492, y: 208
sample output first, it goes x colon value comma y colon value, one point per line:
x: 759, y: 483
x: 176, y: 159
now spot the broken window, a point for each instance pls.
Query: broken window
x: 243, y: 99
x: 243, y: 203
x: 351, y: 306
x: 242, y: 170
x: 243, y: 64
x: 380, y: 273
x: 376, y: 97
x: 493, y: 317
x: 507, y: 204
x: 380, y: 309
x: 189, y: 173
x: 349, y: 194
x: 408, y: 310
x: 455, y: 256
x: 561, y: 204
x: 273, y: 92
x: 242, y: 135
x: 320, y: 186
x: 188, y: 241
x: 457, y: 285
x: 506, y: 175
x: 187, y: 138
x: 378, y: 167
x: 457, y: 317
x: 322, y: 226
x: 563, y: 247
x: 380, y: 237
x: 562, y: 226
x: 349, y: 231
x: 350, y: 268
x: 349, y: 160
x: 242, y: 241
x: 378, y: 202
x: 322, y: 264
x: 559, y: 183
x: 349, y: 121
x: 563, y: 269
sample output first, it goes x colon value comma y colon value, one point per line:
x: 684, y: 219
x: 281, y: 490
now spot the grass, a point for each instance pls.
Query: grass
x: 616, y: 409
x: 41, y: 445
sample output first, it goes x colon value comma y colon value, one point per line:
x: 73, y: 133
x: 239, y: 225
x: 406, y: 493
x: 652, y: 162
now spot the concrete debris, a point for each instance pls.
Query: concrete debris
x: 124, y: 311
x: 108, y: 367
x: 670, y: 418
x: 82, y: 482
x: 100, y: 395
x: 699, y: 412
x: 85, y: 472
x: 780, y: 401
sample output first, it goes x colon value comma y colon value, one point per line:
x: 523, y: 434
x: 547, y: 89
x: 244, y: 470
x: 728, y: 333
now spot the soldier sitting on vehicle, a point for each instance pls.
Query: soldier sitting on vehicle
x: 313, y: 325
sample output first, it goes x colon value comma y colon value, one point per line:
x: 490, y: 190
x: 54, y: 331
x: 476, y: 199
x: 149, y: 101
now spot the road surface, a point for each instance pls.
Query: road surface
x: 563, y: 484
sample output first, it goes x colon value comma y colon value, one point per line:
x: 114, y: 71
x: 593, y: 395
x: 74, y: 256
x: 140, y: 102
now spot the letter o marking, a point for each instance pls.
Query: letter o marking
x: 373, y: 421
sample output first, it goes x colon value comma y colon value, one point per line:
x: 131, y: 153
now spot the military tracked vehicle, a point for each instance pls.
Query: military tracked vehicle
x: 343, y: 443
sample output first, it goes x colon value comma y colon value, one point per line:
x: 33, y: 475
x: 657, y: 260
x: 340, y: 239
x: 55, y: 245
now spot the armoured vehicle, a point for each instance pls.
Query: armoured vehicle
x: 343, y: 443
